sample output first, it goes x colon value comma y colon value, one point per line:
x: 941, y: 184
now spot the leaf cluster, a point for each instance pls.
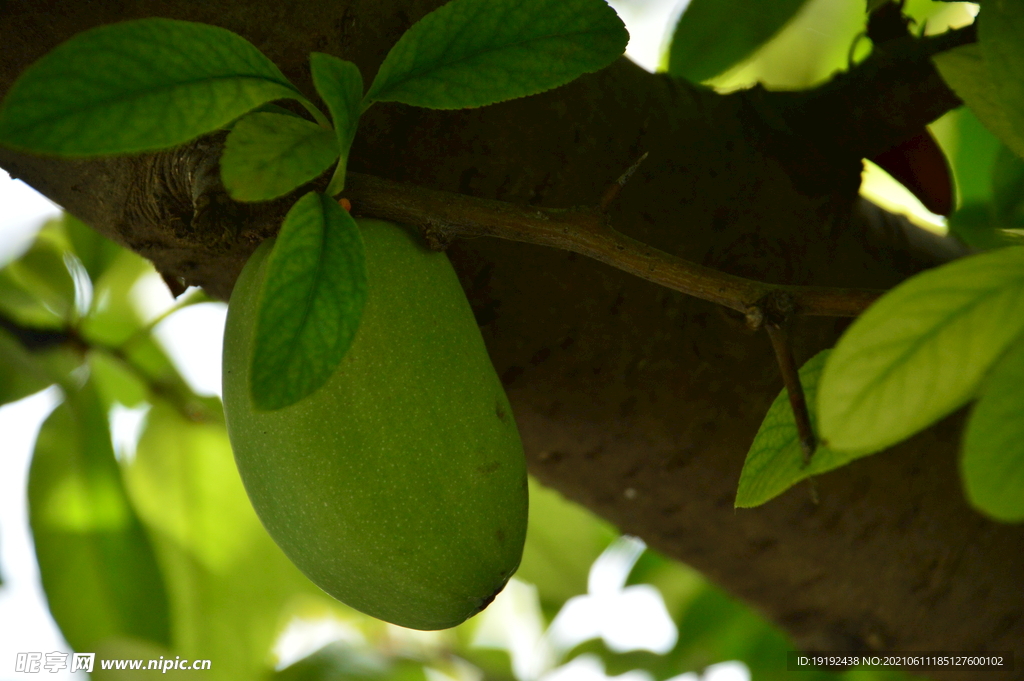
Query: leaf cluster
x: 154, y: 83
x: 940, y: 340
x: 945, y: 338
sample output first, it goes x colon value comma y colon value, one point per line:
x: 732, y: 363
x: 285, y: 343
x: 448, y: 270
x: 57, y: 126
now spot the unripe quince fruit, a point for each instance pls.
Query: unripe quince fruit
x: 399, y: 486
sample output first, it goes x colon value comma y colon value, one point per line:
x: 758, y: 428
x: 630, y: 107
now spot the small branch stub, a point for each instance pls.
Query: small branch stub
x: 613, y: 190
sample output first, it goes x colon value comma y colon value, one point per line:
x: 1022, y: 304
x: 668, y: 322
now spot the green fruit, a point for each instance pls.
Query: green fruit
x: 399, y: 487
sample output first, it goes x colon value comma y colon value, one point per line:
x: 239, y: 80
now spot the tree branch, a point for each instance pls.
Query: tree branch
x: 443, y: 216
x: 880, y: 102
x: 175, y: 392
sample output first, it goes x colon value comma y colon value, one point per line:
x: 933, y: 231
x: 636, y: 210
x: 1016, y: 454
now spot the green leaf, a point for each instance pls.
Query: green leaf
x: 36, y: 290
x: 775, y: 461
x: 341, y: 661
x: 137, y: 86
x: 310, y: 304
x: 116, y: 322
x: 921, y: 350
x: 95, y: 560
x: 977, y: 227
x: 185, y: 486
x: 1008, y: 189
x: 341, y: 86
x: 992, y: 465
x: 269, y: 107
x: 713, y: 35
x: 974, y: 157
x: 20, y: 375
x: 94, y: 250
x: 230, y: 584
x: 472, y: 53
x: 966, y: 71
x: 149, y: 362
x: 267, y: 155
x: 114, y: 381
x: 115, y: 316
x: 1001, y: 38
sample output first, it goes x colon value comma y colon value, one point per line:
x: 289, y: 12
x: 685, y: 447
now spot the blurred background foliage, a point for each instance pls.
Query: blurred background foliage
x: 147, y: 545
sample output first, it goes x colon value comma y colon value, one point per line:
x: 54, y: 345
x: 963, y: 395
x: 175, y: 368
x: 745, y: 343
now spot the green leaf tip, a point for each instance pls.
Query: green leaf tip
x: 1001, y: 39
x: 471, y: 53
x: 341, y: 86
x: 775, y: 461
x: 921, y: 351
x: 714, y: 35
x: 137, y: 86
x: 967, y: 71
x: 992, y: 462
x: 311, y: 301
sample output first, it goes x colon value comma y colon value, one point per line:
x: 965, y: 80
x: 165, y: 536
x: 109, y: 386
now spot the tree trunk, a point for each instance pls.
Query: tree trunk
x: 634, y: 400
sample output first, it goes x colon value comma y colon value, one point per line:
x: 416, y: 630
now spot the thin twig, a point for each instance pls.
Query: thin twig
x: 779, y: 311
x: 196, y: 297
x: 613, y: 190
x: 443, y: 216
x: 181, y: 398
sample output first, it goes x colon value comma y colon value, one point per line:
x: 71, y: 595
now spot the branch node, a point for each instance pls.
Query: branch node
x: 755, y: 317
x: 436, y: 237
x: 779, y: 307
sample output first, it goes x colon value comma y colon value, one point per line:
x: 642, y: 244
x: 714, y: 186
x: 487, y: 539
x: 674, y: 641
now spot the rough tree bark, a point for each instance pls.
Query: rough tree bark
x: 635, y: 401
